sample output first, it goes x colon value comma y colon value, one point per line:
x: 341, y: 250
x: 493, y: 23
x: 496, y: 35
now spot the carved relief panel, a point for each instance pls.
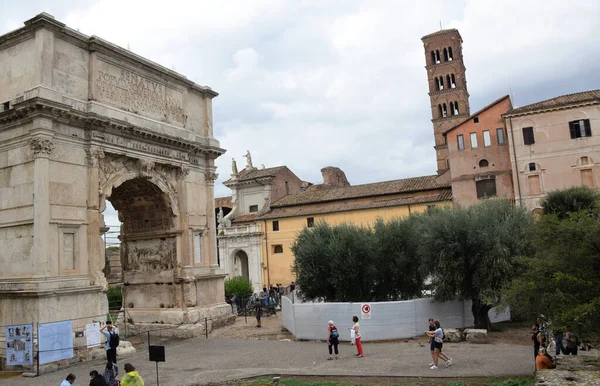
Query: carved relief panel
x: 154, y: 255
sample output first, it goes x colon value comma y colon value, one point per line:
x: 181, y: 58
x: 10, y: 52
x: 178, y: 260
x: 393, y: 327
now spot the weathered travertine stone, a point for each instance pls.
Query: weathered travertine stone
x: 83, y: 121
x: 453, y: 335
x: 473, y: 335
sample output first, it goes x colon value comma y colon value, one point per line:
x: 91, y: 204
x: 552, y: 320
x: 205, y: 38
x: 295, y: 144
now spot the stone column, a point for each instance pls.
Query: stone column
x: 95, y: 254
x: 211, y: 232
x: 41, y: 147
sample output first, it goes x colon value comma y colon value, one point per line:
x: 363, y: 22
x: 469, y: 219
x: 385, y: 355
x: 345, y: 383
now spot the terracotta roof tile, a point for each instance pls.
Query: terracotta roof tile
x: 247, y: 175
x: 246, y: 217
x: 318, y: 193
x: 295, y: 211
x: 560, y: 101
x: 478, y: 112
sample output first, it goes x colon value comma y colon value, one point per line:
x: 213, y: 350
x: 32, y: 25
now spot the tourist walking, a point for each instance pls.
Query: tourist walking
x: 431, y: 345
x: 131, y: 377
x: 69, y: 380
x: 333, y: 340
x: 357, y: 336
x: 111, y: 372
x: 111, y: 332
x: 96, y: 379
x: 438, y: 343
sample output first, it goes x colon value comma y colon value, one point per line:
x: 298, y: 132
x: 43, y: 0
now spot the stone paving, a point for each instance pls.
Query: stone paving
x: 201, y: 361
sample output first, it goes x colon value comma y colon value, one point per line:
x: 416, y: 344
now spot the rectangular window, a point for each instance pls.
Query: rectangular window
x: 310, y: 222
x: 587, y: 178
x: 580, y: 128
x: 476, y: 120
x: 500, y: 135
x: 473, y: 140
x: 253, y: 208
x: 197, y: 248
x: 487, y: 139
x: 486, y: 188
x: 275, y: 226
x: 528, y: 138
x: 533, y: 183
x: 461, y: 142
x: 277, y: 248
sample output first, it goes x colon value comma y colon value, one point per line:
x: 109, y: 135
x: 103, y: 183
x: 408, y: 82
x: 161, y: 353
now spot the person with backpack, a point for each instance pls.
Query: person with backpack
x: 111, y: 332
x: 333, y: 340
x: 438, y: 342
x: 96, y: 379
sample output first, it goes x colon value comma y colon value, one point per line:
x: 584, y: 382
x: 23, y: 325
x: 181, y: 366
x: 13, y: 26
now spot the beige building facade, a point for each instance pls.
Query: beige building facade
x: 83, y: 121
x: 554, y: 144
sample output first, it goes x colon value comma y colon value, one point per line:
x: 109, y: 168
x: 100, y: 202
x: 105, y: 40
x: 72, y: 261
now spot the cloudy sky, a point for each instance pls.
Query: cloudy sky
x: 310, y: 84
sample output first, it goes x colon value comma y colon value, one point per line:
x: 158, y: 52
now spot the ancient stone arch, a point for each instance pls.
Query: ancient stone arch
x: 90, y: 122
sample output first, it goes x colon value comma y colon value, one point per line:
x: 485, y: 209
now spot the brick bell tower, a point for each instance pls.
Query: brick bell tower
x: 447, y: 87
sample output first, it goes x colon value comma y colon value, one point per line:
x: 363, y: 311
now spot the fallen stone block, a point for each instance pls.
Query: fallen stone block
x: 473, y: 335
x: 453, y: 335
x: 125, y: 348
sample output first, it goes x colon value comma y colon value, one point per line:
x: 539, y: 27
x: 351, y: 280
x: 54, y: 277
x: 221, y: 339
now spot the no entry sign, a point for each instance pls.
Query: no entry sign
x: 365, y: 311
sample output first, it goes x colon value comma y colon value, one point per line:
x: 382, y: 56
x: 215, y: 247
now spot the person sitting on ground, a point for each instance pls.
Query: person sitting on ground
x: 333, y: 340
x: 543, y: 361
x: 69, y: 380
x: 96, y: 379
x: 111, y: 372
x: 131, y: 378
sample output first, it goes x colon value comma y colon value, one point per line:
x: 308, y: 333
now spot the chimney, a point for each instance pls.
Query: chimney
x: 334, y: 177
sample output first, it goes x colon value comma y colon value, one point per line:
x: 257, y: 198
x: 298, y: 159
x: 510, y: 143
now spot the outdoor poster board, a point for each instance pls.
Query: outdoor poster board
x: 19, y: 345
x: 365, y: 311
x: 92, y: 334
x: 55, y: 341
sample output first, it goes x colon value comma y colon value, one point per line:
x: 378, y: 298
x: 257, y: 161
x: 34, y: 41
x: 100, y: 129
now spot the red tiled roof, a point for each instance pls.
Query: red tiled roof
x: 441, y: 32
x: 294, y: 211
x: 246, y: 217
x: 247, y: 175
x: 560, y: 101
x: 478, y: 113
x: 317, y: 193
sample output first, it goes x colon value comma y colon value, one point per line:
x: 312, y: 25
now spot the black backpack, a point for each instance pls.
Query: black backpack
x: 114, y: 340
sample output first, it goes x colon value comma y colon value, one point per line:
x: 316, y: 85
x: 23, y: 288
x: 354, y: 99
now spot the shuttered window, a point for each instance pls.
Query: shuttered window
x: 580, y: 128
x: 528, y: 137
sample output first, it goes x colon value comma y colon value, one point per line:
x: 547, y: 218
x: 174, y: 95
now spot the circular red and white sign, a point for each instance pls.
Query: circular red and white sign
x: 366, y: 308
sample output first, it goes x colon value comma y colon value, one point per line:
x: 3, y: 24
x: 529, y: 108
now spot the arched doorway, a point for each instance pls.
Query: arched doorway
x: 240, y: 263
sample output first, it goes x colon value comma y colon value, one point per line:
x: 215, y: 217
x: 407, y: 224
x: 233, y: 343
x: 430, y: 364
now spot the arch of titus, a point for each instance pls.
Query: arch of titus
x: 83, y: 121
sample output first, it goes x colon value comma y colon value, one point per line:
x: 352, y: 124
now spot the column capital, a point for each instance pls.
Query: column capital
x: 41, y: 147
x: 94, y: 156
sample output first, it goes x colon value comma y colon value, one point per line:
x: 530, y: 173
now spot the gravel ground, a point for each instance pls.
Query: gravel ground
x: 201, y: 361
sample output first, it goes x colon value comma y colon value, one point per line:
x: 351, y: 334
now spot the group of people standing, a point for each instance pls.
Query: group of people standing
x: 435, y: 333
x: 566, y: 344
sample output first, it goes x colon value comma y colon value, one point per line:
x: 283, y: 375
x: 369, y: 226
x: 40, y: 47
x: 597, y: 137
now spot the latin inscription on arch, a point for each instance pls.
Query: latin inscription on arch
x: 137, y: 93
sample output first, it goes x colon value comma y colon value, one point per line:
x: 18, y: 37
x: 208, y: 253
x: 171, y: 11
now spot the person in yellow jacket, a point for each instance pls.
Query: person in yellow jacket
x: 131, y: 377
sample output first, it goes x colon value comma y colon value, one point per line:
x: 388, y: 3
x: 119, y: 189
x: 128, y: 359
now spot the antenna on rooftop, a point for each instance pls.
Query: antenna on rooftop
x: 441, y: 25
x: 512, y: 94
x: 128, y: 46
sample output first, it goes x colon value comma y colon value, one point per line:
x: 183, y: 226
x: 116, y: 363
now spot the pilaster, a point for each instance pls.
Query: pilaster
x: 41, y: 147
x: 211, y: 235
x: 95, y: 251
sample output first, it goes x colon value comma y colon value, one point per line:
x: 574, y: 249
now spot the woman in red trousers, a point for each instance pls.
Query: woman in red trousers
x: 356, y: 328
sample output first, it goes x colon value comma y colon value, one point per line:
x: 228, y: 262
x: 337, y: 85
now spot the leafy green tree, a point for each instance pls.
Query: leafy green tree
x: 334, y: 263
x: 472, y: 252
x: 562, y: 279
x: 398, y: 273
x: 576, y: 199
x: 240, y: 286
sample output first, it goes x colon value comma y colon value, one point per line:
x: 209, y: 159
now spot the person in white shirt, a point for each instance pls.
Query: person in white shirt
x: 357, y: 336
x: 69, y: 380
x: 438, y: 342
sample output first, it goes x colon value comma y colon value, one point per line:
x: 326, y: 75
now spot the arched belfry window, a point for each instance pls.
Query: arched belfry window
x: 444, y: 110
x: 452, y: 81
x: 445, y: 54
x: 451, y: 108
x: 437, y: 57
x: 456, y: 112
x: 450, y: 56
x: 432, y: 57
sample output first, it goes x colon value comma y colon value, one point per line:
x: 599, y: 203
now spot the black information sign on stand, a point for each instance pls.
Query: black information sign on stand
x: 157, y: 354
